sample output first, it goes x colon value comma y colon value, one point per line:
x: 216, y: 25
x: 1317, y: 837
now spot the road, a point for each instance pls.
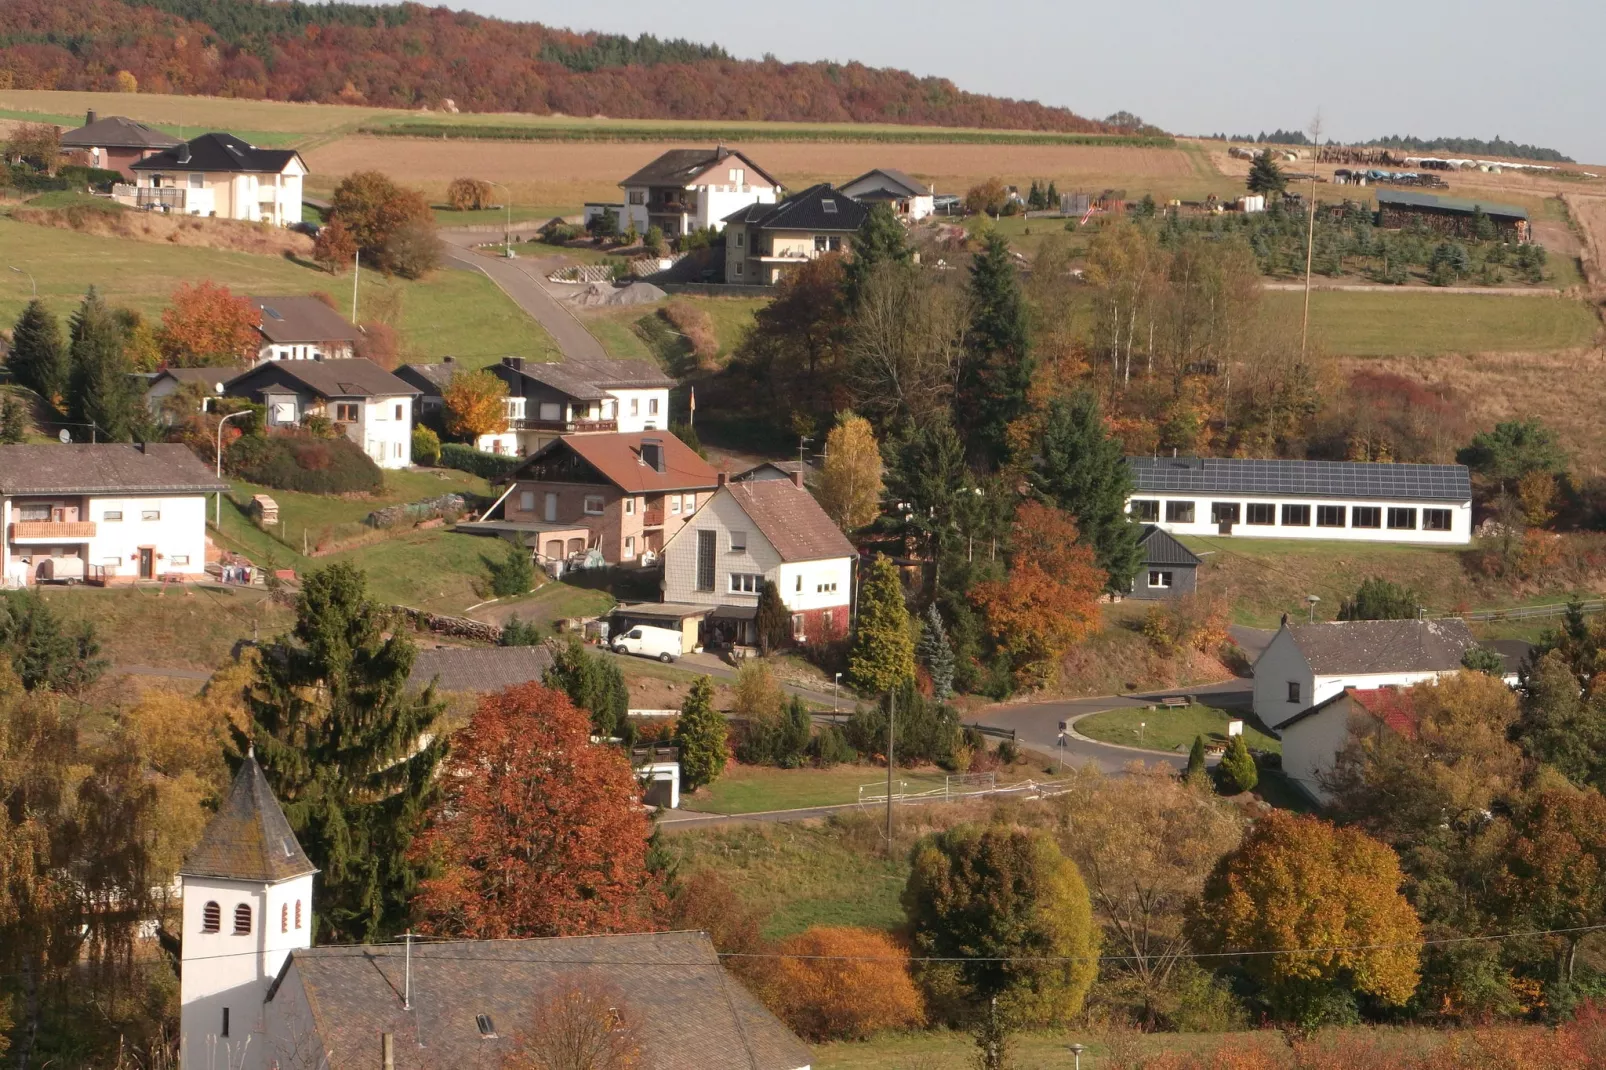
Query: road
x: 524, y: 282
x: 712, y: 666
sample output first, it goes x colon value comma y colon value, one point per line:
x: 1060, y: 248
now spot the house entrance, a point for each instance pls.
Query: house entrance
x: 147, y: 563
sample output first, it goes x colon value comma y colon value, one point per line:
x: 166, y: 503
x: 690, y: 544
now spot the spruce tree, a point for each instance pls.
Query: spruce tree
x: 1196, y: 759
x: 38, y: 360
x: 936, y: 653
x: 594, y: 683
x: 101, y: 390
x: 883, y: 656
x: 1052, y: 197
x: 774, y: 620
x: 1265, y: 176
x: 349, y: 750
x: 998, y: 367
x: 880, y: 240
x: 13, y: 420
x: 701, y: 734
x: 1083, y: 470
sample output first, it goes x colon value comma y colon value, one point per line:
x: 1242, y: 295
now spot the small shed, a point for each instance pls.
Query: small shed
x: 1169, y: 569
x: 264, y: 510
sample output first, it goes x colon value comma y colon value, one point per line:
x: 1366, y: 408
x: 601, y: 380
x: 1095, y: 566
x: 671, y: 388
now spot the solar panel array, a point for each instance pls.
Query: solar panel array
x: 1303, y: 479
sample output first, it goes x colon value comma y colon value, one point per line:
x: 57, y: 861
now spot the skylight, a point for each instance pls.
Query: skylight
x: 828, y: 206
x: 487, y: 1027
x: 272, y: 312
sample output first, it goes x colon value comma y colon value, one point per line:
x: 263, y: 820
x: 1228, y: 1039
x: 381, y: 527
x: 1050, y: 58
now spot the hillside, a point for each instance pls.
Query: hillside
x: 411, y: 56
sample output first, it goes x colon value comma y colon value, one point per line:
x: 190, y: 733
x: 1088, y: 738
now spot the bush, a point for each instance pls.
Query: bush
x: 654, y: 241
x: 426, y: 446
x: 493, y: 466
x: 305, y: 462
x: 830, y: 747
x: 926, y: 730
x: 560, y: 233
x: 518, y: 632
x: 94, y: 177
x: 1237, y: 766
x: 698, y: 328
x: 513, y: 575
x: 843, y: 984
x: 467, y: 194
x: 413, y: 249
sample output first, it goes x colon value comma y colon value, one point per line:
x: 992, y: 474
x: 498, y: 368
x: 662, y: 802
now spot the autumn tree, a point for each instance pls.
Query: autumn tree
x: 1049, y: 599
x: 882, y: 657
x: 1302, y: 883
x: 475, y: 404
x: 986, y: 198
x: 578, y: 1023
x: 468, y: 194
x: 1014, y: 914
x: 850, y: 476
x: 1126, y: 268
x: 905, y: 344
x: 842, y: 983
x: 204, y: 324
x: 992, y: 388
x: 334, y: 247
x: 1081, y: 468
x: 793, y: 356
x: 1552, y: 873
x: 100, y: 386
x: 538, y: 831
x: 392, y: 226
x: 703, y: 901
x: 38, y: 359
x: 701, y: 733
x: 38, y: 144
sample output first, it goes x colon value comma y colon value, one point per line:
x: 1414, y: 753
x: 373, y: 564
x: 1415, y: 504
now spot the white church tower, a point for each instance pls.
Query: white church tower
x: 247, y: 905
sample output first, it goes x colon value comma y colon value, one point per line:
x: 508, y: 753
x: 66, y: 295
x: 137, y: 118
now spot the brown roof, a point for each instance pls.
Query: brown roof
x: 617, y: 457
x: 1359, y: 647
x: 354, y: 378
x: 479, y: 670
x: 785, y: 470
x: 249, y: 838
x: 117, y: 132
x: 302, y: 319
x: 107, y: 468
x: 677, y: 167
x: 790, y: 518
x: 689, y: 1014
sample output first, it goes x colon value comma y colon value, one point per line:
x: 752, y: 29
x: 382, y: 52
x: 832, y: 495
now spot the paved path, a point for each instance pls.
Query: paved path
x: 680, y: 820
x: 1252, y: 641
x: 523, y: 281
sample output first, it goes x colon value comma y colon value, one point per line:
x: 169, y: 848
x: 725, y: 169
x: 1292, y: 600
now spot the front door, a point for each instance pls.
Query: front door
x: 147, y: 563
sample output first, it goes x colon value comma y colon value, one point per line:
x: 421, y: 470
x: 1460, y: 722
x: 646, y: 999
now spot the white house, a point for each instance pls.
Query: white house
x: 546, y: 400
x: 1313, y: 738
x: 107, y: 513
x: 1306, y: 664
x: 303, y: 328
x: 219, y: 175
x: 1415, y: 503
x: 690, y: 189
x: 909, y: 197
x: 374, y: 407
x: 755, y: 533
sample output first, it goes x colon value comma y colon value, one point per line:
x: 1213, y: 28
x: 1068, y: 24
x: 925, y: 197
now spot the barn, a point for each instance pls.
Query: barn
x: 1450, y: 216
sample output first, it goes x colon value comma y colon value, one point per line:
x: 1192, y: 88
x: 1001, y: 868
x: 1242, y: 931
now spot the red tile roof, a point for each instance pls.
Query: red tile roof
x: 617, y: 456
x: 1391, y: 705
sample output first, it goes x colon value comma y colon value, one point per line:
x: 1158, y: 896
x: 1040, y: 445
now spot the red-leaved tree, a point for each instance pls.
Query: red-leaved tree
x: 206, y: 324
x: 539, y: 831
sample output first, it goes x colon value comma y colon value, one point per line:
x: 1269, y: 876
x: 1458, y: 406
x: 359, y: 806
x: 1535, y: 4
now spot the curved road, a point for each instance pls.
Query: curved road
x: 525, y: 282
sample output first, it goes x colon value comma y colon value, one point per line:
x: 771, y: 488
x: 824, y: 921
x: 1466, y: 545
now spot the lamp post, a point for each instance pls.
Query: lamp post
x: 836, y: 687
x: 217, y: 521
x: 1076, y: 1053
x: 31, y: 281
x: 507, y: 231
x: 1311, y: 601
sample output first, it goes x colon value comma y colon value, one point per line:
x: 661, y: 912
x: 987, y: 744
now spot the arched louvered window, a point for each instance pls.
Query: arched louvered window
x: 211, y: 918
x: 284, y: 918
x: 298, y: 913
x: 242, y: 920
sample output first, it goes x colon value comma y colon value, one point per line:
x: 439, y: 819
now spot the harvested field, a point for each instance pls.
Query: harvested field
x: 1589, y: 215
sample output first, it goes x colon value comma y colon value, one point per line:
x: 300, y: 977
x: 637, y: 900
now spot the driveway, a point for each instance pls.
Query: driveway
x: 524, y: 282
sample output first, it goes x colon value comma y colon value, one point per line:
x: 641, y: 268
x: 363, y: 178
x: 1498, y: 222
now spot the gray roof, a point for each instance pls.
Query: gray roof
x: 818, y: 208
x: 481, y: 669
x: 590, y: 380
x: 302, y: 319
x: 107, y: 468
x: 771, y: 470
x: 1363, y: 647
x: 210, y: 378
x: 354, y: 378
x: 910, y: 185
x: 1300, y: 479
x: 669, y: 987
x: 248, y: 839
x: 791, y: 520
x: 1410, y: 199
x: 117, y: 132
x: 1161, y: 548
x: 436, y: 374
x: 679, y: 166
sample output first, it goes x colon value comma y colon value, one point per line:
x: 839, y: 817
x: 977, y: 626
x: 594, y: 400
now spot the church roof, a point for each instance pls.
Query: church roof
x: 249, y: 839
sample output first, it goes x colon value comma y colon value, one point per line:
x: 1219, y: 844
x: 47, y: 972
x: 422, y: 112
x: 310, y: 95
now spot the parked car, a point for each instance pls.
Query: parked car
x: 649, y: 642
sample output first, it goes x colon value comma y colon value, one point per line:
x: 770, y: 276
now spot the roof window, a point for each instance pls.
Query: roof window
x: 828, y: 206
x: 487, y: 1027
x: 271, y: 312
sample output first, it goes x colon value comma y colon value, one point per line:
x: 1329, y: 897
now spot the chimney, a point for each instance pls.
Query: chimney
x: 184, y: 153
x: 89, y: 117
x: 720, y: 479
x: 516, y: 363
x: 797, y: 478
x: 448, y: 360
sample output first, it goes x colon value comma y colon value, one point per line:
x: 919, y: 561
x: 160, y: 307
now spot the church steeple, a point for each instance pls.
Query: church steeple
x: 249, y: 838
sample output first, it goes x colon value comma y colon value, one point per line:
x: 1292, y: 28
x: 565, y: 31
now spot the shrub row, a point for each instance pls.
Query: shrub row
x: 493, y: 466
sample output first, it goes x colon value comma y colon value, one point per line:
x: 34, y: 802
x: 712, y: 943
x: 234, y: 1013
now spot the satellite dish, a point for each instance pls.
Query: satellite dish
x: 65, y: 435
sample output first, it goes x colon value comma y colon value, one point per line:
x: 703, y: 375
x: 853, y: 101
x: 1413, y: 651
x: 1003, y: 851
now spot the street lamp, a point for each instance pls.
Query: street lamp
x: 507, y: 231
x: 31, y: 281
x: 218, y: 512
x: 1311, y: 601
x: 1141, y: 726
x: 1076, y: 1053
x: 836, y: 686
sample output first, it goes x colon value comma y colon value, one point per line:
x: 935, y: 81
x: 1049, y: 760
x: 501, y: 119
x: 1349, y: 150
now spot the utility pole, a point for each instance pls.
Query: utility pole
x: 356, y: 273
x: 1310, y: 235
x: 892, y: 716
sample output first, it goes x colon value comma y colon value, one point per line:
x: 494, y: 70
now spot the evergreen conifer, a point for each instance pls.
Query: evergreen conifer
x: 998, y: 369
x: 774, y: 620
x: 883, y: 656
x: 936, y: 653
x: 38, y: 360
x: 101, y: 388
x: 1196, y: 759
x: 1082, y: 469
x: 880, y: 240
x: 595, y: 684
x: 701, y: 734
x: 13, y: 420
x: 1238, y: 766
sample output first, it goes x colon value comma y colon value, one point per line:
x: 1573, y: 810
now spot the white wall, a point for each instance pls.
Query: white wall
x: 642, y: 415
x: 715, y: 202
x: 1460, y: 532
x: 305, y: 351
x: 721, y: 514
x: 1278, y: 665
x: 834, y: 574
x: 386, y: 431
x: 179, y: 536
x: 1310, y: 747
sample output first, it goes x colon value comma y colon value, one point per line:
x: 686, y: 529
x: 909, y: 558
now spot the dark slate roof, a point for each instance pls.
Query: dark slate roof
x: 1513, y: 652
x: 1410, y: 199
x: 670, y: 987
x: 1160, y: 548
x: 679, y: 166
x: 1301, y: 479
x: 790, y: 518
x: 910, y: 185
x: 354, y: 378
x: 1365, y: 647
x: 590, y: 380
x: 481, y: 669
x: 117, y: 132
x: 818, y: 208
x: 107, y: 468
x: 207, y: 377
x: 248, y: 839
x: 219, y: 152
x: 302, y: 319
x: 432, y: 376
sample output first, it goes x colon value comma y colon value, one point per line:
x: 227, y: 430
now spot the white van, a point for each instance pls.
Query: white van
x: 649, y: 642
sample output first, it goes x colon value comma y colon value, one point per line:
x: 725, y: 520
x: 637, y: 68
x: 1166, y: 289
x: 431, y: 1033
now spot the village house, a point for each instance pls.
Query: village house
x: 219, y: 175
x: 755, y: 533
x: 547, y: 400
x: 773, y: 470
x: 116, y: 142
x: 303, y: 328
x: 372, y: 407
x: 1304, y: 665
x: 109, y: 513
x: 1169, y: 569
x: 763, y: 242
x: 163, y: 385
x: 689, y: 189
x: 1313, y: 738
x: 909, y: 197
x: 1413, y: 503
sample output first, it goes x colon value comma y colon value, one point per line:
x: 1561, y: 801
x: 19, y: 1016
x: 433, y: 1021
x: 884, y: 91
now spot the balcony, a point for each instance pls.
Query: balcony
x: 566, y: 427
x: 652, y: 518
x: 179, y: 199
x: 52, y: 530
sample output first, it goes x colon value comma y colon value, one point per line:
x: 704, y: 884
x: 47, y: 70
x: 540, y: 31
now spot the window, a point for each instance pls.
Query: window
x: 298, y: 913
x: 178, y: 559
x: 1329, y: 516
x: 1402, y: 519
x: 112, y: 515
x: 211, y: 918
x: 527, y: 501
x: 738, y: 175
x: 1262, y: 513
x: 638, y: 196
x: 36, y: 511
x: 834, y: 243
x: 150, y: 514
x: 691, y: 503
x: 674, y: 504
x: 284, y: 918
x: 630, y: 546
x: 652, y: 406
x: 225, y: 1030
x: 739, y: 236
x: 827, y: 622
x: 112, y: 562
x: 799, y: 587
x: 197, y: 181
x: 738, y: 541
x: 707, y: 543
x: 635, y: 406
x: 551, y: 411
x: 746, y: 583
x: 819, y: 243
x: 1296, y: 516
x: 399, y: 409
x: 486, y: 1027
x: 242, y: 920
x: 1366, y: 516
x: 1293, y: 691
x: 825, y: 588
x: 1179, y: 512
x: 1224, y: 512
x: 738, y: 265
x: 800, y: 627
x: 593, y: 505
x: 1435, y: 520
x: 1160, y: 578
x: 1145, y: 509
x: 828, y: 206
x: 284, y: 412
x: 630, y: 507
x: 346, y: 412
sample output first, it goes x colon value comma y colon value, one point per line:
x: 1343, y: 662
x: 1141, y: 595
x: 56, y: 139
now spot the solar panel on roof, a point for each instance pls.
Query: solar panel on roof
x: 1305, y: 478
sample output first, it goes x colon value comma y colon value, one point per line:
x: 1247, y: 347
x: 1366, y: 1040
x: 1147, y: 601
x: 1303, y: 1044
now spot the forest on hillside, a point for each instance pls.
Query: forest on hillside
x: 411, y: 56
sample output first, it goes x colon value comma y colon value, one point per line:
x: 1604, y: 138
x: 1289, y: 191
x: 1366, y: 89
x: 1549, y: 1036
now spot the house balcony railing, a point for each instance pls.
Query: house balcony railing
x: 51, y: 530
x: 653, y: 754
x: 652, y: 518
x: 567, y: 427
x: 171, y: 198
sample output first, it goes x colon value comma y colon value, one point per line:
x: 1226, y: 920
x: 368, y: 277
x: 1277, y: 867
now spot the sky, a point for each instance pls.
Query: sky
x: 1530, y: 72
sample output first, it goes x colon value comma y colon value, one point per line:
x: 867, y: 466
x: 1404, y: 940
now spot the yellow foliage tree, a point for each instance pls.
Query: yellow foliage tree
x: 475, y: 404
x: 126, y: 82
x: 850, y: 479
x: 843, y: 984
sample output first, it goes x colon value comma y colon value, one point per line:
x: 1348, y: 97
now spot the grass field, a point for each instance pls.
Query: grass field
x: 746, y: 789
x: 1410, y: 323
x: 307, y: 519
x: 1049, y: 1049
x: 1170, y: 730
x: 172, y: 628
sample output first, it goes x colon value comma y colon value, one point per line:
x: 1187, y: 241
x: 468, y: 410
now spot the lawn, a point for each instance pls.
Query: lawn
x: 747, y: 789
x: 1046, y: 1049
x: 1171, y: 730
x: 552, y: 601
x: 193, y: 627
x: 1423, y: 322
x: 307, y: 519
x: 618, y: 331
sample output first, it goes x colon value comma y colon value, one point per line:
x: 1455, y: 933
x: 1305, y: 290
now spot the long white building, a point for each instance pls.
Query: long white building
x: 1416, y: 503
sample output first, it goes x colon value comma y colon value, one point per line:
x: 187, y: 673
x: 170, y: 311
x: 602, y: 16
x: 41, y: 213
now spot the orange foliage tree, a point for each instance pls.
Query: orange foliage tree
x: 844, y: 984
x: 474, y: 404
x: 382, y: 218
x: 206, y: 324
x: 1049, y: 600
x: 539, y: 831
x: 334, y: 247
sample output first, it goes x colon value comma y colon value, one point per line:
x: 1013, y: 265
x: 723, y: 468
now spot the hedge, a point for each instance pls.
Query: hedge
x: 299, y: 461
x: 493, y: 466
